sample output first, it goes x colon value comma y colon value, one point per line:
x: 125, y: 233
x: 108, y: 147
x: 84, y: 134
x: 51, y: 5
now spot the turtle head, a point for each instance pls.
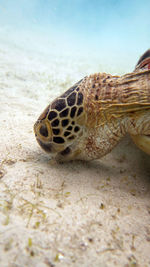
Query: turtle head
x: 60, y: 128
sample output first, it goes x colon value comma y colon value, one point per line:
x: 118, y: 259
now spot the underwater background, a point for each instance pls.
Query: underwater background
x: 81, y: 213
x: 108, y: 35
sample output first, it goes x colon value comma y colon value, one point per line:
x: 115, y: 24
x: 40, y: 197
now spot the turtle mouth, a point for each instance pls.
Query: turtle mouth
x: 47, y: 147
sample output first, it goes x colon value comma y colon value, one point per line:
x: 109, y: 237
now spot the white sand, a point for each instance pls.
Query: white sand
x: 74, y: 214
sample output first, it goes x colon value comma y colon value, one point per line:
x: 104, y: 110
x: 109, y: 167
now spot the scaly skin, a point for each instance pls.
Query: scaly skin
x: 89, y: 119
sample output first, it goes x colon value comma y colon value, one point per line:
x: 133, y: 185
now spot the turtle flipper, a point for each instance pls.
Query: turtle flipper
x: 144, y: 61
x: 143, y: 142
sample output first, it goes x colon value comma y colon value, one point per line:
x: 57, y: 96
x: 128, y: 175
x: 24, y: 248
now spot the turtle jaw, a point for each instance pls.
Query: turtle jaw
x: 43, y: 136
x: 143, y: 142
x: 47, y: 147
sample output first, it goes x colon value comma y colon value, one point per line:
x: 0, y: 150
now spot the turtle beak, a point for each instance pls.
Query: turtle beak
x: 47, y: 147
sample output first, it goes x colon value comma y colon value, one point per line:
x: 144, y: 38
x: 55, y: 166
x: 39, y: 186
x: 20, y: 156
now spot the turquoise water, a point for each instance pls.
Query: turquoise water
x: 114, y: 32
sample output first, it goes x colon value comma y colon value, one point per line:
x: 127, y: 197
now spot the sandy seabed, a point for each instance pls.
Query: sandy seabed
x: 73, y: 214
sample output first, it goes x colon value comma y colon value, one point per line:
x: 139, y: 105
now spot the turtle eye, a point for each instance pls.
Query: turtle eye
x: 44, y: 131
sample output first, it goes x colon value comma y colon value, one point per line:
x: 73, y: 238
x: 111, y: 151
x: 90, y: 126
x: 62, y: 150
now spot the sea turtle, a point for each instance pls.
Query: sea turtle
x: 90, y: 118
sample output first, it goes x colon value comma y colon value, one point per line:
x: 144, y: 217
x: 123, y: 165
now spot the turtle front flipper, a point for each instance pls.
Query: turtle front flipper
x: 143, y: 142
x: 144, y: 62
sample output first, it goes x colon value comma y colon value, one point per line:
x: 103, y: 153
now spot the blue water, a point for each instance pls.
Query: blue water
x: 116, y: 32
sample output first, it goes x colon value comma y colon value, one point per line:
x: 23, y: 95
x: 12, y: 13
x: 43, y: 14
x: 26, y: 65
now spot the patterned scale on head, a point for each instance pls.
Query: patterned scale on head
x: 90, y: 118
x: 60, y: 126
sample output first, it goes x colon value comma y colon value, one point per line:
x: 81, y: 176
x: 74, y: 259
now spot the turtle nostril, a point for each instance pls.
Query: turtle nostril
x: 44, y: 131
